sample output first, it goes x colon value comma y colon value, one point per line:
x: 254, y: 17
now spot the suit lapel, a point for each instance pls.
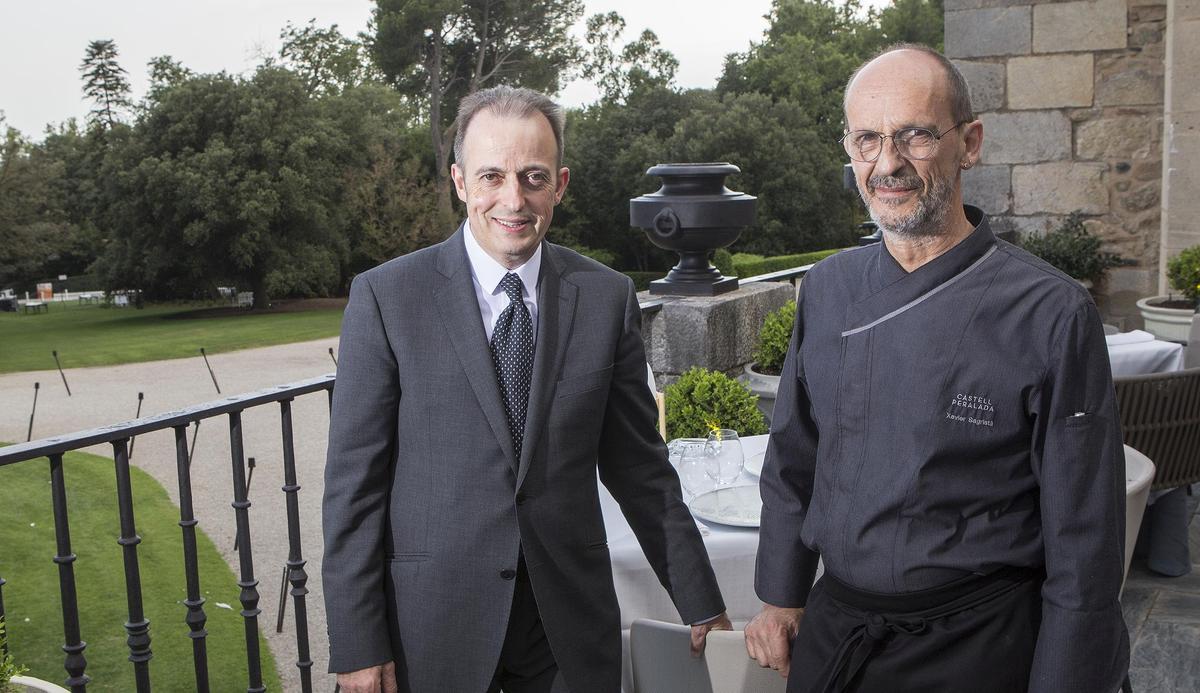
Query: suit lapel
x: 455, y: 298
x: 556, y: 315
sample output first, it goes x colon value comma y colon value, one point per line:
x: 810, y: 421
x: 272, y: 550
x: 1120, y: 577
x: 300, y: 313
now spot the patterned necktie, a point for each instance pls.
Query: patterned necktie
x: 512, y: 354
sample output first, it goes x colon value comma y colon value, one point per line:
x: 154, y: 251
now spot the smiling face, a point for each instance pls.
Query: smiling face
x: 906, y: 89
x: 510, y: 181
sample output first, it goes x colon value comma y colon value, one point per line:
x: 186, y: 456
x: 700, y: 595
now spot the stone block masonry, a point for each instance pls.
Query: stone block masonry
x: 1071, y: 96
x: 990, y: 31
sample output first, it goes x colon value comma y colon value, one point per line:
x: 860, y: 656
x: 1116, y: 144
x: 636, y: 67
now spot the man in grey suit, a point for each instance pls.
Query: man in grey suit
x: 482, y: 383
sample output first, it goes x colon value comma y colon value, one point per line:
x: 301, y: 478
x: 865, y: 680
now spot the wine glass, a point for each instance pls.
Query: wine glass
x: 725, y: 459
x: 693, y: 460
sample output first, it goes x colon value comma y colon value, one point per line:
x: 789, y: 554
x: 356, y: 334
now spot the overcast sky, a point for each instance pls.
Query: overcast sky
x: 42, y: 42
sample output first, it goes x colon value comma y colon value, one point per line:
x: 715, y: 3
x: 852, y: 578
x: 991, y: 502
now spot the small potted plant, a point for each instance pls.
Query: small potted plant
x: 12, y: 675
x: 1070, y: 248
x: 762, y: 374
x: 1170, y: 317
x: 702, y: 399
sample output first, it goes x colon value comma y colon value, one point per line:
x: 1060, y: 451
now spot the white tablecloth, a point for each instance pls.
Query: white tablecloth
x: 1138, y: 353
x: 732, y: 551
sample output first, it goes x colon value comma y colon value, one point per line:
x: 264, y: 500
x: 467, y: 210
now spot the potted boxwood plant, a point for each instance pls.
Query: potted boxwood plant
x: 1070, y: 248
x: 762, y: 374
x: 1170, y: 317
x: 702, y: 400
x: 12, y: 675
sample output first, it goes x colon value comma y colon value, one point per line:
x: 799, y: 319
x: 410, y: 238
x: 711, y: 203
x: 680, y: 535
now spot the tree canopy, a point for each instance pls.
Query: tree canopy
x: 333, y: 155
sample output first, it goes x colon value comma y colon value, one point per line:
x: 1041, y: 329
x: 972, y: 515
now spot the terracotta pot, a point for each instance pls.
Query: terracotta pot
x: 763, y: 385
x: 1170, y: 324
x: 28, y: 684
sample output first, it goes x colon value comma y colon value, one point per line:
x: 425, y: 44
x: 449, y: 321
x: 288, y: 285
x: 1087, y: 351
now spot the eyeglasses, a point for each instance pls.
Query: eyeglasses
x: 915, y: 144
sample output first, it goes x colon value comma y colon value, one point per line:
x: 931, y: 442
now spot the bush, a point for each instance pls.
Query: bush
x: 773, y: 339
x: 8, y: 667
x: 751, y: 266
x: 702, y: 400
x: 1183, y: 271
x: 604, y: 257
x: 1072, y: 249
x: 641, y: 280
x: 723, y: 261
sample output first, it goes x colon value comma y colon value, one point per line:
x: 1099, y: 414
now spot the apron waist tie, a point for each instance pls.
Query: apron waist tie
x: 906, y: 614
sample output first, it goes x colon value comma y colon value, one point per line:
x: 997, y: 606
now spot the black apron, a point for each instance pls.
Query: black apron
x: 974, y: 634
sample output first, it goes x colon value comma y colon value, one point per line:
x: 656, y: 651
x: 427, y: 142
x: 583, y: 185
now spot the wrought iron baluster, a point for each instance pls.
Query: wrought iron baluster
x: 137, y: 626
x: 249, y: 593
x: 75, y: 663
x: 196, y: 617
x: 295, y: 562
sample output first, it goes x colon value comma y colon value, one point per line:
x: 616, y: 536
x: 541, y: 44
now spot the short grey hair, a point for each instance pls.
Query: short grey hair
x: 960, y: 93
x: 516, y: 102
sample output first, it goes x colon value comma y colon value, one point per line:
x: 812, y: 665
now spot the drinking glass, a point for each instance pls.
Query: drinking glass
x: 725, y: 460
x: 692, y: 457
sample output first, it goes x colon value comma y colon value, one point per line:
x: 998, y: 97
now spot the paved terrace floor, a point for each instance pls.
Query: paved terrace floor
x: 1163, y: 613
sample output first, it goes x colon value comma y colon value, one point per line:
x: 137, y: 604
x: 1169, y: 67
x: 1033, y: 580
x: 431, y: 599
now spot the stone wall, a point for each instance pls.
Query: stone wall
x: 1071, y: 99
x: 1181, y: 158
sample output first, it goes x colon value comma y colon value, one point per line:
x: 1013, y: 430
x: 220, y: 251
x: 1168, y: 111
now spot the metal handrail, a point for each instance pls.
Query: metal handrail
x: 137, y: 626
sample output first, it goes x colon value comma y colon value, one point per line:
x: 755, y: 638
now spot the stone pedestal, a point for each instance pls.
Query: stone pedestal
x: 716, y: 332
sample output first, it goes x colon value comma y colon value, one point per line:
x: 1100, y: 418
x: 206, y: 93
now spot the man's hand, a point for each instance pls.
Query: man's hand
x: 377, y: 679
x: 700, y: 632
x: 769, y: 637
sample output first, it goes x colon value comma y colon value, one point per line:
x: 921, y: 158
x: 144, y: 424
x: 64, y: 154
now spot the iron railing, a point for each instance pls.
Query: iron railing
x: 137, y: 627
x: 120, y: 437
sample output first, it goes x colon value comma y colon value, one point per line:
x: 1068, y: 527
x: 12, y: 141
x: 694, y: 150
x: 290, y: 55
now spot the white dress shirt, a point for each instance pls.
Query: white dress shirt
x: 486, y: 274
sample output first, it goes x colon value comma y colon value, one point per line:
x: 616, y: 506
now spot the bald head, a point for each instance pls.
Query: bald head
x: 919, y: 67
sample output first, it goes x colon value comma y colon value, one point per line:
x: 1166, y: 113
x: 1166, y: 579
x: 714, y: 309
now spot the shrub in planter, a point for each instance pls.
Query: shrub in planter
x: 702, y: 400
x: 1072, y: 249
x: 1183, y: 271
x: 8, y: 667
x: 773, y: 339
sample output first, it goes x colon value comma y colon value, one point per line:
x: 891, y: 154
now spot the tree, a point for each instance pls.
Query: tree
x: 801, y: 203
x: 438, y: 51
x: 641, y: 63
x: 104, y: 83
x: 327, y: 61
x: 228, y: 180
x: 913, y: 21
x: 39, y: 235
x: 165, y: 72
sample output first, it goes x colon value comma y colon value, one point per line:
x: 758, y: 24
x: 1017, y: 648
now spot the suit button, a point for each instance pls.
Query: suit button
x: 508, y: 573
x: 521, y: 498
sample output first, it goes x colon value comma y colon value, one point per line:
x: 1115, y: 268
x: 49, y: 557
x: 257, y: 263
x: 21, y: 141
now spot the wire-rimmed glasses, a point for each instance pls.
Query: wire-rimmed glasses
x: 915, y: 144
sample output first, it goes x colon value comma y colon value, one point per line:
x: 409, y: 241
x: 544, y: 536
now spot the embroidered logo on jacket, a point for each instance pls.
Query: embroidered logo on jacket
x: 967, y: 408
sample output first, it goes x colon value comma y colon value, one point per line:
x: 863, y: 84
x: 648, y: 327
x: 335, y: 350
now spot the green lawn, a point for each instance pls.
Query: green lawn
x: 31, y: 597
x: 91, y: 335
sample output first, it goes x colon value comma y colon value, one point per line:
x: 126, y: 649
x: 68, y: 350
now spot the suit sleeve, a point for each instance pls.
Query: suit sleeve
x: 785, y: 567
x: 633, y: 466
x: 357, y: 478
x: 1079, y: 462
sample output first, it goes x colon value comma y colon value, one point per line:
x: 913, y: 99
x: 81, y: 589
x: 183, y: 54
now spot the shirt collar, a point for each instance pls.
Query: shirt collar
x: 488, y: 272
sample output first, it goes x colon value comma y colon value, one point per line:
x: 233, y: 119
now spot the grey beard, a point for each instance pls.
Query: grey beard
x: 927, y: 220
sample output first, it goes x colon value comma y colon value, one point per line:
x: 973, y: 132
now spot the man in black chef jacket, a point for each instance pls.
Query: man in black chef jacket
x: 945, y: 438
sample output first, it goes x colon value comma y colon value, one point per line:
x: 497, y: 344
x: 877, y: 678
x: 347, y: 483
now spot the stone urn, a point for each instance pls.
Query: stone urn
x: 763, y: 385
x: 693, y: 214
x: 1169, y: 324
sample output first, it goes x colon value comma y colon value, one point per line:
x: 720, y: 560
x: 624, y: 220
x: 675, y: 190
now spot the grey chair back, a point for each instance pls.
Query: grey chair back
x: 1160, y: 418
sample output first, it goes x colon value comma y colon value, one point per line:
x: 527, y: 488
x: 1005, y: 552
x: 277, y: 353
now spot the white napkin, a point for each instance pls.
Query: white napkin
x: 1134, y: 337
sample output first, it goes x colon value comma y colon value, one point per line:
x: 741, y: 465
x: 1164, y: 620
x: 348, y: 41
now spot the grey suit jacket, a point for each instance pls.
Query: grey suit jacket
x: 425, y: 504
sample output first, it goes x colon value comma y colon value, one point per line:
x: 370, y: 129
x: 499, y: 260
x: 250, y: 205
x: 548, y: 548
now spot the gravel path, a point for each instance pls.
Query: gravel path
x: 109, y: 394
